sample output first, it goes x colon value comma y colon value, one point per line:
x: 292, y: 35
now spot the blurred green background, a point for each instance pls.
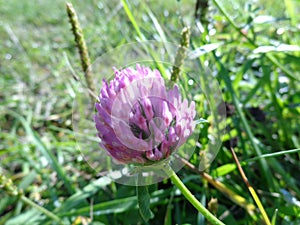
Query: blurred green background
x: 256, y: 61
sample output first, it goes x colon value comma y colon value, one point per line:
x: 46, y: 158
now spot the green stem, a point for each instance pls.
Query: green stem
x: 191, y: 198
x: 41, y: 209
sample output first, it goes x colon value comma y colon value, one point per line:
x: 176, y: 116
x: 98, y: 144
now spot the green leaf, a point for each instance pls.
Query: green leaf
x: 85, y: 193
x: 223, y: 170
x: 117, y: 205
x: 279, y: 48
x: 28, y: 179
x: 46, y: 152
x: 274, y: 217
x: 31, y: 216
x: 144, y: 202
x: 291, y: 9
x: 201, y: 120
x: 203, y: 50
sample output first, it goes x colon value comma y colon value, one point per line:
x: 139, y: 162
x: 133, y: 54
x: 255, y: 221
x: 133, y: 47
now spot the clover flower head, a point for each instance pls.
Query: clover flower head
x: 138, y: 120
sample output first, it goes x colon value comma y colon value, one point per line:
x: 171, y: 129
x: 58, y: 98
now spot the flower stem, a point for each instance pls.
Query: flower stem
x: 191, y: 198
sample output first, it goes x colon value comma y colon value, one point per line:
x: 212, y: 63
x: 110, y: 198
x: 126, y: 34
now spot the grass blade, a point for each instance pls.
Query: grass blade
x: 45, y: 151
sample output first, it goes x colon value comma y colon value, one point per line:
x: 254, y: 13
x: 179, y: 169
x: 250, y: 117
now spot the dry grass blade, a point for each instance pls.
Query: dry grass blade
x: 251, y: 189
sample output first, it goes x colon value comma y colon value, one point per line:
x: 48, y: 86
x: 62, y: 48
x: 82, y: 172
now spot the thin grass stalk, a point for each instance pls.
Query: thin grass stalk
x: 251, y: 189
x: 82, y: 49
x: 181, y: 54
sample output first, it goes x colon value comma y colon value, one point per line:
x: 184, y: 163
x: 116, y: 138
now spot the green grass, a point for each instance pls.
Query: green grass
x: 38, y: 149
